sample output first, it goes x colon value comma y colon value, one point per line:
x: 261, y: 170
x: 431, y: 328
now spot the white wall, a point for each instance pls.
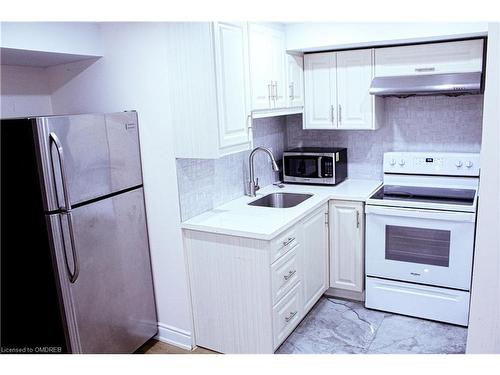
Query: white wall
x: 79, y: 38
x: 132, y: 75
x: 24, y: 91
x: 484, y: 324
x: 311, y: 35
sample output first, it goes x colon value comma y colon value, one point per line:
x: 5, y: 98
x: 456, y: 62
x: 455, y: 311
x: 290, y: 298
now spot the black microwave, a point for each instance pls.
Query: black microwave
x: 315, y: 165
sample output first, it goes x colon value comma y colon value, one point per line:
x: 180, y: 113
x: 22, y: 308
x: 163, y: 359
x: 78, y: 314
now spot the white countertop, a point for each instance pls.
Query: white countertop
x: 237, y: 218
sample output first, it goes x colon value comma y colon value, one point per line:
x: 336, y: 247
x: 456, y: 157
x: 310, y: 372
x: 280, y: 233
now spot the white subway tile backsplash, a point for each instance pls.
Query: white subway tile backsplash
x: 433, y: 123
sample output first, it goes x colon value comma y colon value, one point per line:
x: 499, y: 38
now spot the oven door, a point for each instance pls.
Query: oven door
x: 417, y: 245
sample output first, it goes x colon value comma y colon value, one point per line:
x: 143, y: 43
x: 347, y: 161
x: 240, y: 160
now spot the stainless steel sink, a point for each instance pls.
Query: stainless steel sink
x: 280, y: 200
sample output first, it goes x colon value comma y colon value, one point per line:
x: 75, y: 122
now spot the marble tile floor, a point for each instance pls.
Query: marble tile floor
x: 341, y: 326
x: 336, y: 326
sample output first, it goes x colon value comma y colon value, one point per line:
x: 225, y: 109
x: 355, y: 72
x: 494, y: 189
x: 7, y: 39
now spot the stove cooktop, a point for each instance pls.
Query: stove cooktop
x: 422, y: 194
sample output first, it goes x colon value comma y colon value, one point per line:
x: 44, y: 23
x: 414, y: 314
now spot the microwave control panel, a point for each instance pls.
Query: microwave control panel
x: 327, y: 170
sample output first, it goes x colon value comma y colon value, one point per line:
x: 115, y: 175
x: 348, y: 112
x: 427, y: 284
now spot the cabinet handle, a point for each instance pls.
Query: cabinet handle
x: 291, y: 88
x: 290, y: 274
x: 275, y: 90
x: 332, y: 110
x: 340, y: 113
x: 357, y: 219
x: 288, y: 241
x: 290, y: 316
x: 428, y: 69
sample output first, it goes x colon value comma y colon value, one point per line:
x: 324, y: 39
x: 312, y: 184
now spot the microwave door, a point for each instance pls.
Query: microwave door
x: 301, y: 166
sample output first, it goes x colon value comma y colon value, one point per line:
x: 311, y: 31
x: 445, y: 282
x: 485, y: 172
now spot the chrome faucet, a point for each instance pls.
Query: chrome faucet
x: 253, y: 184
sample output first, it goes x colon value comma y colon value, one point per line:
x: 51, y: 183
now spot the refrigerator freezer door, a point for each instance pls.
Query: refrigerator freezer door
x: 110, y: 307
x: 100, y: 156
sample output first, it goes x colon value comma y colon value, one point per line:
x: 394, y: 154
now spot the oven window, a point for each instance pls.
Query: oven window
x: 301, y: 166
x: 417, y: 245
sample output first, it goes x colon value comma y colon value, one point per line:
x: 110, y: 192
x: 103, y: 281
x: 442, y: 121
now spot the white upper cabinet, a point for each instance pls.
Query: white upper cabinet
x: 336, y: 91
x: 267, y: 66
x: 354, y: 76
x: 210, y: 90
x: 295, y: 75
x: 278, y: 58
x: 260, y: 67
x: 320, y: 91
x: 231, y: 63
x: 434, y: 58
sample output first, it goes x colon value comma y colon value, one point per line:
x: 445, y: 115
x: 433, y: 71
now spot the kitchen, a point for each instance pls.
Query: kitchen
x: 234, y: 277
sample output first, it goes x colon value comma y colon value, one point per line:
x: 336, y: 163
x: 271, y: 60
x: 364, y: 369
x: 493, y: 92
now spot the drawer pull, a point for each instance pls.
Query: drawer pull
x: 289, y: 241
x: 290, y: 316
x: 290, y: 274
x: 429, y: 69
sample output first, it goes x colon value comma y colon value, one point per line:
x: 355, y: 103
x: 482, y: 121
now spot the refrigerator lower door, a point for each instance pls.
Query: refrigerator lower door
x: 110, y: 306
x: 93, y: 155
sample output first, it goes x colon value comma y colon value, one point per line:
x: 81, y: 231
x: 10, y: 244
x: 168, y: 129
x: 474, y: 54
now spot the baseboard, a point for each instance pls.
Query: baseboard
x: 174, y: 336
x: 347, y: 294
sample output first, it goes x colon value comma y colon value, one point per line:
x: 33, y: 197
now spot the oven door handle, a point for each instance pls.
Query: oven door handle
x: 419, y: 213
x: 320, y: 172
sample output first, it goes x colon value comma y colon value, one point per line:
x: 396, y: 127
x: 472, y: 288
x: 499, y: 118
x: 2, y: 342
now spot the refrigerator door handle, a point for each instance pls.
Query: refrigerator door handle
x: 67, y: 209
x: 73, y: 276
x: 54, y: 139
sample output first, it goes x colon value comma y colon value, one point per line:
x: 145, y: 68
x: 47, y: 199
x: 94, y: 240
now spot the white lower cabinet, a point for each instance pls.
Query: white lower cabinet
x: 248, y: 294
x: 347, y: 247
x: 315, y: 240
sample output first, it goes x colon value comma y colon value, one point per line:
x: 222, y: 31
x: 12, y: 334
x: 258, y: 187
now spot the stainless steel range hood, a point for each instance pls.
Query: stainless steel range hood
x: 429, y: 84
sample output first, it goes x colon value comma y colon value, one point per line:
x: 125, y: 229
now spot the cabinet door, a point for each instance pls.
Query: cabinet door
x: 347, y: 245
x: 261, y: 66
x: 450, y: 57
x: 231, y: 62
x: 278, y: 57
x: 320, y: 91
x: 315, y: 256
x: 354, y: 76
x: 295, y: 74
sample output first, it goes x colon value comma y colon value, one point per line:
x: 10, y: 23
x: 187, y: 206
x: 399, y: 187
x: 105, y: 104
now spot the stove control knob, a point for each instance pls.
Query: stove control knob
x: 393, y: 162
x: 401, y: 162
x: 458, y: 164
x: 468, y: 164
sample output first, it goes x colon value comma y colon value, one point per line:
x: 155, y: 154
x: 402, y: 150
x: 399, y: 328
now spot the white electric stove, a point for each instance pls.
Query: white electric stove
x: 420, y: 228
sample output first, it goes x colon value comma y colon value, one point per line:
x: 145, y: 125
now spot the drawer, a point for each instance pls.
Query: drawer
x: 422, y: 301
x: 283, y: 243
x: 287, y: 314
x: 285, y: 273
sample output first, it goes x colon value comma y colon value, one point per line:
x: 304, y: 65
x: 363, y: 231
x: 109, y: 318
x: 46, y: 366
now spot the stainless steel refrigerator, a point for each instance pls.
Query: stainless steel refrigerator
x: 76, y: 270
